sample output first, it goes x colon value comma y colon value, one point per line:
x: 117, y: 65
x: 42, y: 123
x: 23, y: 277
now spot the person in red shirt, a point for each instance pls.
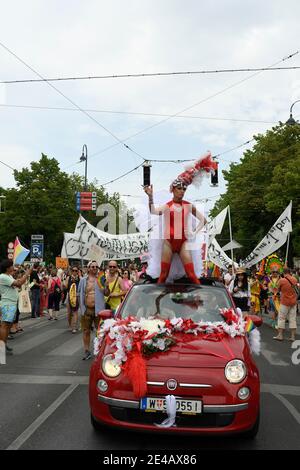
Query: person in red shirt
x: 288, y: 305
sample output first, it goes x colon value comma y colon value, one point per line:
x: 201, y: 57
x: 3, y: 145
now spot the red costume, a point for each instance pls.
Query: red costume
x: 176, y: 215
x: 176, y: 223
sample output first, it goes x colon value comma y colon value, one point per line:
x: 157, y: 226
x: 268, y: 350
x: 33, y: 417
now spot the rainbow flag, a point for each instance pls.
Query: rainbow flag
x: 20, y: 252
x: 249, y: 325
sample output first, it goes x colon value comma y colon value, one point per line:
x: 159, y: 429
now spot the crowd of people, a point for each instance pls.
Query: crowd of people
x: 40, y: 291
x: 274, y: 294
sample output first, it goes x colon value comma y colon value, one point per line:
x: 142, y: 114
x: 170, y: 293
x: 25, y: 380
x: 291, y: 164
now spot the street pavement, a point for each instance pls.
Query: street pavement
x: 44, y: 398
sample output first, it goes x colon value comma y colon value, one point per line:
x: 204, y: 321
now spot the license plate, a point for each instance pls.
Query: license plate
x: 182, y: 406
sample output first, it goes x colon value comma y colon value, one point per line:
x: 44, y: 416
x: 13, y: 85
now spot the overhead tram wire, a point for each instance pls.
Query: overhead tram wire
x: 122, y: 176
x: 71, y: 101
x: 154, y: 125
x: 8, y: 166
x: 52, y: 108
x: 195, y: 104
x: 152, y: 160
x: 147, y: 75
x: 186, y: 109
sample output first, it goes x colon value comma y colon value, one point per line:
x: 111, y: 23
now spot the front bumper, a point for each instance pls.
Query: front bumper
x: 222, y: 411
x: 214, y: 419
x: 206, y: 408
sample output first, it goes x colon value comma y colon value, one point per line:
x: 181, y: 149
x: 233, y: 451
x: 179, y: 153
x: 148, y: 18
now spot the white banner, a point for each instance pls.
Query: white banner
x: 76, y: 249
x: 275, y: 238
x: 216, y: 255
x: 88, y: 242
x: 215, y: 226
x: 231, y: 246
x: 131, y: 245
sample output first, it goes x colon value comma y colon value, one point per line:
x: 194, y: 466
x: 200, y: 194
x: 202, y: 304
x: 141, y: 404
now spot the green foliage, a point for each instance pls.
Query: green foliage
x: 43, y: 202
x: 261, y: 186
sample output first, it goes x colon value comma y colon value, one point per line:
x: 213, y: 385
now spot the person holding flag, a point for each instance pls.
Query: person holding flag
x: 9, y: 298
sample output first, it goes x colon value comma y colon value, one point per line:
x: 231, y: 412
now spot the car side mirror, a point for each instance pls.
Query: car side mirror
x: 258, y: 321
x: 106, y: 314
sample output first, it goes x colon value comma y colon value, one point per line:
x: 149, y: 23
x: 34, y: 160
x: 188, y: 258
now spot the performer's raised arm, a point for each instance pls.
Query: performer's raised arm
x: 153, y: 210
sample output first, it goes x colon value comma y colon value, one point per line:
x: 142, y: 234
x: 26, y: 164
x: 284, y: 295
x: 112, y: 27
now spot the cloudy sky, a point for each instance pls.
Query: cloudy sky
x: 87, y: 38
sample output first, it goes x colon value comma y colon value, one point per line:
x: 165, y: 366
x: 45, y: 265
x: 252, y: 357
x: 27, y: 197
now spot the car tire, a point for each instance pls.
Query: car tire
x: 251, y: 434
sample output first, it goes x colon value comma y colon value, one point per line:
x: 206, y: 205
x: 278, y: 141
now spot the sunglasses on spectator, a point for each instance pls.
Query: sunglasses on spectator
x: 75, y: 270
x: 94, y: 267
x: 112, y: 266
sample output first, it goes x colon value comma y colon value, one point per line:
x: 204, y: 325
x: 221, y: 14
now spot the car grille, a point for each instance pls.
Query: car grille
x: 205, y: 420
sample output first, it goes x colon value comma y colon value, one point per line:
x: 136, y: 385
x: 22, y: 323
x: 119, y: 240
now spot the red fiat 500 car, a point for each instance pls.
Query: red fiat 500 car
x: 215, y: 383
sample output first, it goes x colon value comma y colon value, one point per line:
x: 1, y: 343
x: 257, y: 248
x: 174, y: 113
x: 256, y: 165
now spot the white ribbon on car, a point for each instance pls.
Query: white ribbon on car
x: 171, y: 411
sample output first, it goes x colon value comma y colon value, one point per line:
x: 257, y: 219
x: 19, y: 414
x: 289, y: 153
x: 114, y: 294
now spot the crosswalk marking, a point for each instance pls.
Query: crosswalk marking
x: 33, y: 342
x: 43, y: 379
x: 68, y: 348
x: 17, y: 443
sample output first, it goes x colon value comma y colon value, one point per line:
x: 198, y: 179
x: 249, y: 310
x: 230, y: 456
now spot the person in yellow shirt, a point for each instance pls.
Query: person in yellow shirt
x: 255, y: 294
x: 113, y: 291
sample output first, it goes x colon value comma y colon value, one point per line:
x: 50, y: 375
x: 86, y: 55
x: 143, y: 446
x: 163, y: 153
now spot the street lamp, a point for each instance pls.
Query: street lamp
x: 83, y: 158
x: 291, y: 121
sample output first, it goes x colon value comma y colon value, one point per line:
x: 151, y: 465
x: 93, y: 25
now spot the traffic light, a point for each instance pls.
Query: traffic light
x: 146, y: 173
x: 214, y: 177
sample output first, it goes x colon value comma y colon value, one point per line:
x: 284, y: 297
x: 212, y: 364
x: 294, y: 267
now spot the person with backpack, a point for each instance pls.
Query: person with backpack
x: 71, y: 287
x: 54, y: 291
x: 289, y: 290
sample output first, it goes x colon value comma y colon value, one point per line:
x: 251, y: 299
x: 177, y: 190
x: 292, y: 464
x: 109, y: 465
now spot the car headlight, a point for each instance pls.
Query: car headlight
x: 235, y: 371
x: 109, y: 367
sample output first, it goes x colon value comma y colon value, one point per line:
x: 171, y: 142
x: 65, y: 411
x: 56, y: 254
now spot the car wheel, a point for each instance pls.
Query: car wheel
x: 251, y: 434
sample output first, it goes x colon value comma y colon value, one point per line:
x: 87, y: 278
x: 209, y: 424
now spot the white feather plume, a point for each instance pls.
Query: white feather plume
x: 254, y: 340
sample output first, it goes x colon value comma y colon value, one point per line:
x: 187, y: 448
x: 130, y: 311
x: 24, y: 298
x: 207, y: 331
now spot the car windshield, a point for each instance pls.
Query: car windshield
x: 201, y: 303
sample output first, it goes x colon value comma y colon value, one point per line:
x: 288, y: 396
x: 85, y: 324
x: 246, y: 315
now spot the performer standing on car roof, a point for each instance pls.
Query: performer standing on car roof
x: 176, y: 213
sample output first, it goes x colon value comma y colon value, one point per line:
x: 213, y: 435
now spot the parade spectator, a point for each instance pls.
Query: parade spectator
x: 241, y: 290
x: 113, y: 288
x: 255, y: 293
x: 229, y: 279
x: 35, y: 291
x: 54, y: 292
x: 9, y: 298
x: 66, y: 274
x: 288, y: 302
x: 273, y: 296
x: 263, y: 296
x: 14, y: 327
x: 44, y: 292
x: 143, y: 273
x: 24, y: 304
x: 126, y: 282
x: 91, y: 302
x: 134, y: 275
x: 72, y: 295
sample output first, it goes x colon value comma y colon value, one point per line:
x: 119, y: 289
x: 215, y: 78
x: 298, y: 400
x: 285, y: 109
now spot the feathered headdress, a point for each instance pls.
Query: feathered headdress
x: 195, y: 172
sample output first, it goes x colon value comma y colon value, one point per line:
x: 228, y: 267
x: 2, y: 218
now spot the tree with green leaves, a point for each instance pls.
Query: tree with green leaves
x: 43, y: 202
x: 260, y: 187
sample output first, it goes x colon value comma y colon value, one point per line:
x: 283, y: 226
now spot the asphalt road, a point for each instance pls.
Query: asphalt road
x: 44, y: 398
